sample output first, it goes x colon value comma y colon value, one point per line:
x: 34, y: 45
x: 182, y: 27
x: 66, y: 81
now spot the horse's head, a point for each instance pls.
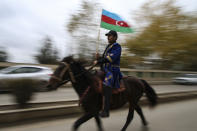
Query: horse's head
x: 64, y: 72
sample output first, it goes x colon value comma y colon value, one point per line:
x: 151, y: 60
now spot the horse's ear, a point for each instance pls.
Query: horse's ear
x: 68, y: 59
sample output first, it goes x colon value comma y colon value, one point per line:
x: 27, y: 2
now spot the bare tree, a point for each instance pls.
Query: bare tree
x: 47, y: 55
x: 83, y: 27
x: 3, y: 55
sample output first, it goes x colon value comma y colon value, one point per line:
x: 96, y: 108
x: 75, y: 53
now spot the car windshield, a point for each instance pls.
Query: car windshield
x: 190, y: 75
x: 8, y: 69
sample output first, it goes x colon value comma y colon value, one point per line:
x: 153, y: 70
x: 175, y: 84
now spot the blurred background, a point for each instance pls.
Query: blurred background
x: 36, y: 34
x: 46, y: 31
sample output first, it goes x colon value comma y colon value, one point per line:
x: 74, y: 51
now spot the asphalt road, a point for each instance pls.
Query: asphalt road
x: 179, y: 116
x: 63, y: 94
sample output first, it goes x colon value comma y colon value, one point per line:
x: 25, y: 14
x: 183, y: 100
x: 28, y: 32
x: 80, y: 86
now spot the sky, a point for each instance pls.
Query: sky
x: 25, y: 23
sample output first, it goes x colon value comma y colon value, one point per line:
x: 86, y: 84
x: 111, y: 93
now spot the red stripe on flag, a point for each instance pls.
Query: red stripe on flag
x: 109, y: 20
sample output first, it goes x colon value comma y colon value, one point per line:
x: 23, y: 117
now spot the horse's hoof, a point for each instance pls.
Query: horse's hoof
x: 74, y: 129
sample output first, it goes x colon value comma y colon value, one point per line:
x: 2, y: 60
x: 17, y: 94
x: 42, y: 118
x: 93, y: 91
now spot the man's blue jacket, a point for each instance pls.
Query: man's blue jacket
x: 111, y: 65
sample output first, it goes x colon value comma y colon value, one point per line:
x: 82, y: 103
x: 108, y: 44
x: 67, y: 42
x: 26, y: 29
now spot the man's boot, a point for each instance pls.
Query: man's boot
x: 107, y: 96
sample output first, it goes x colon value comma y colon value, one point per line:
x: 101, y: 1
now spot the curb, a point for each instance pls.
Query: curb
x: 17, y: 115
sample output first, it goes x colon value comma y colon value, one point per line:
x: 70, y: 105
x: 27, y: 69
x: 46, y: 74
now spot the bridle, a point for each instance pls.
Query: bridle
x: 60, y: 78
x: 72, y: 78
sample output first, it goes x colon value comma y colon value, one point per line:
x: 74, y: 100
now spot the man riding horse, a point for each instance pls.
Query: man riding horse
x: 110, y: 64
x: 86, y: 85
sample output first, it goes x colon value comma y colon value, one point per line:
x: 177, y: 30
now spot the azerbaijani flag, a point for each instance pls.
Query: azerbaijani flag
x: 112, y: 21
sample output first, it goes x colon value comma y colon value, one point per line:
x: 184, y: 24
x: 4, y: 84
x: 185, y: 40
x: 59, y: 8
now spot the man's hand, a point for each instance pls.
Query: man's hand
x: 95, y: 62
x: 97, y: 56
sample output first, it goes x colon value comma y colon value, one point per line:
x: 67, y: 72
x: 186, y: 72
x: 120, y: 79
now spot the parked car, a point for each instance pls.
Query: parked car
x: 40, y: 73
x: 186, y: 79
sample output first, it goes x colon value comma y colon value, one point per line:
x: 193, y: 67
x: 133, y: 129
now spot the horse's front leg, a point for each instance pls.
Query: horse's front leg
x: 81, y: 120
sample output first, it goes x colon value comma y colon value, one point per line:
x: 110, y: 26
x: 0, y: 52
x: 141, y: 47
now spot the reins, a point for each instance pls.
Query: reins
x: 72, y: 78
x: 83, y: 95
x: 71, y: 74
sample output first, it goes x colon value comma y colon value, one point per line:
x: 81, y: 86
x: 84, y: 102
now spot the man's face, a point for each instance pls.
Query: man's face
x: 111, y: 39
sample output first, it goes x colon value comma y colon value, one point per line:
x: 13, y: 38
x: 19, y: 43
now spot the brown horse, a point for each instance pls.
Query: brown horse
x: 86, y: 86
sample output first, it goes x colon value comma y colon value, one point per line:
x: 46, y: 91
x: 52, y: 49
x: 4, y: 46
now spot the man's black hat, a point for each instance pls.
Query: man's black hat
x: 111, y: 32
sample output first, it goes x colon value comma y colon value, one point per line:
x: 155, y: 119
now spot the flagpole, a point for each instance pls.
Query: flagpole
x: 98, y: 39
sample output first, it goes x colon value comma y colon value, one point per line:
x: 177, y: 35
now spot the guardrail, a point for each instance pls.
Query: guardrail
x: 157, y: 75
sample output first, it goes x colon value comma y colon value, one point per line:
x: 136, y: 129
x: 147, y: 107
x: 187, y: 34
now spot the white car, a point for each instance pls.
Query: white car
x: 24, y: 71
x: 186, y: 79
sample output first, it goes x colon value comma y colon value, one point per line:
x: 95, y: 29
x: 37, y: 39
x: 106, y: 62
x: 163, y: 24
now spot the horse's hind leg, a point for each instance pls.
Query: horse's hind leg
x: 139, y: 111
x: 99, y: 123
x: 129, y: 118
x: 81, y: 120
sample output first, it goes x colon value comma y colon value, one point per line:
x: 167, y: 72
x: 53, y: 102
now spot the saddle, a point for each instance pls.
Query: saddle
x: 100, y: 77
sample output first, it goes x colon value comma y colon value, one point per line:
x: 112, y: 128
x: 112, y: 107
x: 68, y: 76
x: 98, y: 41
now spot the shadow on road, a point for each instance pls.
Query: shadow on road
x: 144, y: 128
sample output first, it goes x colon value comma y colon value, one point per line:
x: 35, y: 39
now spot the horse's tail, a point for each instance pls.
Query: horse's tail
x: 150, y: 93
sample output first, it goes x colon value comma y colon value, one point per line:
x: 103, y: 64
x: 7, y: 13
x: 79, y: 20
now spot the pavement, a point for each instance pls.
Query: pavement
x: 179, y: 116
x: 166, y: 93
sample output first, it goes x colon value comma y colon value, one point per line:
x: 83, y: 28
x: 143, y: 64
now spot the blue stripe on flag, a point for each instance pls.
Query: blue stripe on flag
x: 111, y: 15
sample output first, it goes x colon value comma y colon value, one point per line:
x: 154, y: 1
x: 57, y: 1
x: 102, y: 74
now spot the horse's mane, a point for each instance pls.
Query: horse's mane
x: 81, y: 72
x: 70, y: 59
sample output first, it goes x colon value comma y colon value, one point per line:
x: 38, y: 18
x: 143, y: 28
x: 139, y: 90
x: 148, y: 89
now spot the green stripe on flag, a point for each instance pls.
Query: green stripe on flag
x: 116, y: 28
